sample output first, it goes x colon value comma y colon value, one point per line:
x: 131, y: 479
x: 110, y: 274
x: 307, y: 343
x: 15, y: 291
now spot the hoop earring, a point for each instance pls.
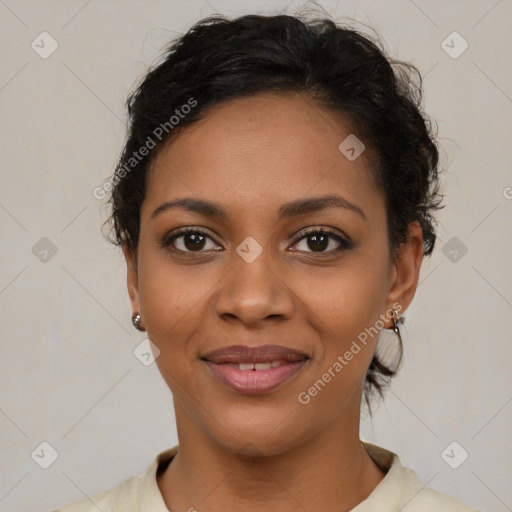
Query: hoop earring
x: 136, y: 318
x: 397, y: 319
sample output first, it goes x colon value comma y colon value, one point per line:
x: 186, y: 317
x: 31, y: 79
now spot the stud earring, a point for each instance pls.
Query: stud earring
x: 136, y: 318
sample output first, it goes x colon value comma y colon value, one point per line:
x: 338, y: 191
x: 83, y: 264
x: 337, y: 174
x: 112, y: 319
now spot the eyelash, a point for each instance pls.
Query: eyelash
x: 166, y: 243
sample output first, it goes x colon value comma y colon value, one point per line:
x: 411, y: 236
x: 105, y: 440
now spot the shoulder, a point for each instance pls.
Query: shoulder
x: 139, y: 492
x: 417, y: 498
x: 402, y: 490
x: 121, y: 497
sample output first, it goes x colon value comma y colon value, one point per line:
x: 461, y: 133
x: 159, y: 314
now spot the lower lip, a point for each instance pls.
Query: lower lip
x: 252, y: 382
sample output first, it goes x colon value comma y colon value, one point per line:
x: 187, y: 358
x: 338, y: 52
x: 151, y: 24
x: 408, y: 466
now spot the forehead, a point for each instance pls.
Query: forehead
x: 260, y: 151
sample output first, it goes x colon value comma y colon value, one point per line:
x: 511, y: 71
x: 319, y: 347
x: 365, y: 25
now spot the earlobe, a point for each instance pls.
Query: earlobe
x: 406, y: 269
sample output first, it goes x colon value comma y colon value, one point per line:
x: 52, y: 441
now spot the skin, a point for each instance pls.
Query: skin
x: 240, y: 452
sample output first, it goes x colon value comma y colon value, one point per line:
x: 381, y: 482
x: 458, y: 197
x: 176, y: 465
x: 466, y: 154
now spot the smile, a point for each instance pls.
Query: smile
x: 254, y: 370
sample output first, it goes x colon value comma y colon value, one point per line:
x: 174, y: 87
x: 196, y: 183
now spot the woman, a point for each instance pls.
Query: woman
x: 274, y: 203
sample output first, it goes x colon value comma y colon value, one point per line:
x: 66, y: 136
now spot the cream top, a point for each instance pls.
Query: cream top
x: 400, y: 490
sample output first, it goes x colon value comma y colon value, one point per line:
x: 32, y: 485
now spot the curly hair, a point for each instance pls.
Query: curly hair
x: 334, y: 65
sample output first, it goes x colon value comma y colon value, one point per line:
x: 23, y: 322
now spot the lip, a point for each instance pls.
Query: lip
x: 222, y: 364
x: 259, y: 354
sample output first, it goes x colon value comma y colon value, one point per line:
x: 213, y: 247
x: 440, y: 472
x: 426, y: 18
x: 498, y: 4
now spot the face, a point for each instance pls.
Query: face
x: 263, y: 264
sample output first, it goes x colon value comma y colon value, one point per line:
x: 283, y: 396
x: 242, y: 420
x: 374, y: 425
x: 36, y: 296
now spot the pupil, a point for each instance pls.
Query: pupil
x: 196, y: 241
x: 319, y: 245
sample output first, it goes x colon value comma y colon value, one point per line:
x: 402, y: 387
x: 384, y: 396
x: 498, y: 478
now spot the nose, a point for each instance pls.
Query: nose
x: 253, y: 292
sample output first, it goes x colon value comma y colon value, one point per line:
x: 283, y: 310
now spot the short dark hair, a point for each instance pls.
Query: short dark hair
x: 333, y: 65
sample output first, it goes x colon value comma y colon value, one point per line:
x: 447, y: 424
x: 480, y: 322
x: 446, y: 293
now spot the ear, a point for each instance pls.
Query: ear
x: 406, y: 269
x: 132, y: 277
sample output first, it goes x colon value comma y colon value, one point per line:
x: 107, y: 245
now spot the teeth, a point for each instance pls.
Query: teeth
x: 258, y: 366
x: 262, y: 366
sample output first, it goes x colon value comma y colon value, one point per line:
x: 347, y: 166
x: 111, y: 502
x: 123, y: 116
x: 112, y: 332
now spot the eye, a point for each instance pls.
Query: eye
x: 188, y: 239
x: 319, y: 240
x: 192, y: 239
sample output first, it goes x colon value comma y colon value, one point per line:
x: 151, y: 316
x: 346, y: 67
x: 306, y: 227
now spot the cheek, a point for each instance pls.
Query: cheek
x: 345, y: 309
x: 173, y: 301
x: 171, y: 307
x: 349, y: 296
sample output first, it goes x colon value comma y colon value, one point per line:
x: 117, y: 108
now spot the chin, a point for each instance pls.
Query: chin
x: 258, y: 433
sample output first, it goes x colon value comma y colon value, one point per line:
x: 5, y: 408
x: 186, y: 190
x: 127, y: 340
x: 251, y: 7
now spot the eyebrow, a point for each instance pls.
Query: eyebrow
x: 287, y: 210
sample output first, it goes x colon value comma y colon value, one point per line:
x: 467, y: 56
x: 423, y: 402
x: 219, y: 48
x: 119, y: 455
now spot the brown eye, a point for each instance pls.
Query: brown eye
x: 318, y: 240
x: 188, y: 240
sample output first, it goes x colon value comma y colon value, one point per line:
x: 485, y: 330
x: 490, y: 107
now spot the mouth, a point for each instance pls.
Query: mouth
x: 254, y: 370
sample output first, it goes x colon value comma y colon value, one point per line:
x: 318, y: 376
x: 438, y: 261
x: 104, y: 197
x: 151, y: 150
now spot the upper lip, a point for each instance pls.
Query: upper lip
x: 258, y: 354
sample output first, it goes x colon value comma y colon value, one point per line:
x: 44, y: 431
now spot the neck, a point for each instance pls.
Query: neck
x: 330, y: 471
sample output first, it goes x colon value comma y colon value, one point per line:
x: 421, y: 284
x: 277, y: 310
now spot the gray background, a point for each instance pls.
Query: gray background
x: 68, y: 373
